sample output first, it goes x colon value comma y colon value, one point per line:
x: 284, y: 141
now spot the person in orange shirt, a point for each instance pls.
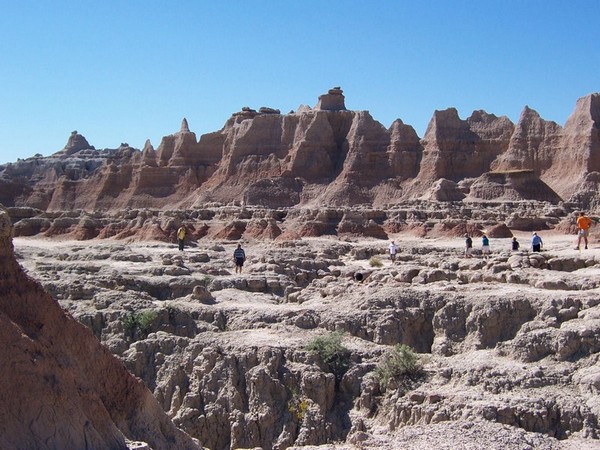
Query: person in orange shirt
x: 583, y: 227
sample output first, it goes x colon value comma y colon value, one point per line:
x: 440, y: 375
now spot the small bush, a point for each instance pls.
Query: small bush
x: 298, y: 407
x: 375, y: 261
x: 145, y: 321
x: 129, y: 322
x: 330, y: 350
x: 138, y: 325
x: 399, y: 364
x: 206, y: 280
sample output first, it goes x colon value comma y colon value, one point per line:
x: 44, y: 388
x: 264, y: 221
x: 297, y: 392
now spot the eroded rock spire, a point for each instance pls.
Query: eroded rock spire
x: 184, y: 126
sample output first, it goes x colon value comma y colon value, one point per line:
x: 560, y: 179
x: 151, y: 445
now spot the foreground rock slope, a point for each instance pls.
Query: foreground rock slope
x: 60, y: 387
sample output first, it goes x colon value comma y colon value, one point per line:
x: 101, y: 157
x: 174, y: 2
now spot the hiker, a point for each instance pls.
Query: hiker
x: 515, y: 244
x: 583, y: 227
x: 536, y: 242
x: 485, y: 247
x: 468, y: 246
x: 393, y: 251
x: 239, y: 256
x: 181, y: 237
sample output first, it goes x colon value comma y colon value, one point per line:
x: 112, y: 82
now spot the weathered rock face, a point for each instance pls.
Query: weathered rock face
x: 322, y: 155
x: 532, y: 146
x: 332, y: 101
x: 457, y: 149
x: 579, y: 152
x: 61, y: 388
x: 444, y: 190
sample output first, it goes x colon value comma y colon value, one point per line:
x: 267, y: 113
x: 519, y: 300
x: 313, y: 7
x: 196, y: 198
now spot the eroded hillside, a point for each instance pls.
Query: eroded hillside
x: 508, y: 346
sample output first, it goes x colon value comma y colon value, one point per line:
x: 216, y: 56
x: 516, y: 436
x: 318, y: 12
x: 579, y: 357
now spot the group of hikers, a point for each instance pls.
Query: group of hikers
x: 239, y: 255
x: 536, y: 245
x: 583, y: 226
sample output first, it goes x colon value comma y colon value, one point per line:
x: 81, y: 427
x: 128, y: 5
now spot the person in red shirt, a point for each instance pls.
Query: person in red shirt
x: 583, y: 227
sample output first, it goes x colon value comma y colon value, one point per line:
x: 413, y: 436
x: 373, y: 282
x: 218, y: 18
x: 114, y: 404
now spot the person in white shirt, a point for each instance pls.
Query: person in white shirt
x: 393, y: 251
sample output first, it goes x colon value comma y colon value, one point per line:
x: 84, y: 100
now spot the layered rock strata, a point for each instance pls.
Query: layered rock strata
x: 324, y: 155
x: 449, y: 217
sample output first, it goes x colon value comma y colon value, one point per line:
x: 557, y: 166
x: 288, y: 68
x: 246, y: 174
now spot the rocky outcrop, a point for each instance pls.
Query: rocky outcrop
x: 443, y: 216
x: 61, y: 388
x: 444, y: 190
x: 532, y: 146
x: 512, y: 185
x: 332, y: 101
x: 75, y: 144
x: 579, y: 152
x: 456, y: 149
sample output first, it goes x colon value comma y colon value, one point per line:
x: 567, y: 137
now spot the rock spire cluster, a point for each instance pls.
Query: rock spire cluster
x: 324, y: 155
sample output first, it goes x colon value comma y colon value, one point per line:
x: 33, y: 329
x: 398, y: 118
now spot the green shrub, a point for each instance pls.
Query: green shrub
x: 145, y: 321
x: 129, y: 322
x: 330, y: 350
x: 138, y: 325
x: 400, y: 364
x: 375, y: 261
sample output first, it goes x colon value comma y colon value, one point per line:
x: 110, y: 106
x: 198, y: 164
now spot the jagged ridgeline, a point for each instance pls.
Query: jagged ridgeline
x: 325, y: 155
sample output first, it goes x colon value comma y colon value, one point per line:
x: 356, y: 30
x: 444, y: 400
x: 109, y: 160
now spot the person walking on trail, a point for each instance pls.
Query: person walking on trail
x: 239, y: 256
x: 393, y: 251
x: 485, y: 247
x: 536, y: 243
x: 583, y: 226
x: 515, y: 244
x: 181, y: 237
x: 468, y: 246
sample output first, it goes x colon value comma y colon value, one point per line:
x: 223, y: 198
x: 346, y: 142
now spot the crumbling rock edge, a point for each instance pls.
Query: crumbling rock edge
x: 61, y: 388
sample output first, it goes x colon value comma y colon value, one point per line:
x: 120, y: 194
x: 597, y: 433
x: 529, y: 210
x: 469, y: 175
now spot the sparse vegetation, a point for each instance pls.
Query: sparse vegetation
x: 138, y: 325
x: 206, y: 280
x: 375, y: 261
x: 298, y: 406
x: 399, y: 365
x: 331, y: 351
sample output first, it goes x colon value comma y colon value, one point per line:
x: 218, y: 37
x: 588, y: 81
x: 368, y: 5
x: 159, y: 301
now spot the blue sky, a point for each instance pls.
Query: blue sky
x: 127, y: 71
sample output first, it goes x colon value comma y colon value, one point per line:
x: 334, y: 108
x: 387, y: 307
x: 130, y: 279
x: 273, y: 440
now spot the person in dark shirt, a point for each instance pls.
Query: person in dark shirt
x: 515, y: 244
x: 468, y: 246
x: 485, y: 247
x: 239, y: 256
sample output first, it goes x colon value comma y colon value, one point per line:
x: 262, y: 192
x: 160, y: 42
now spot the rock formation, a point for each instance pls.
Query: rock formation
x: 332, y: 101
x: 60, y: 387
x: 512, y: 185
x: 75, y: 144
x: 579, y: 152
x: 324, y: 155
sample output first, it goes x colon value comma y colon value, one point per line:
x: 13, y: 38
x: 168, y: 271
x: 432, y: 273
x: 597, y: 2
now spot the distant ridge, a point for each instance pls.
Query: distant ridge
x: 326, y: 155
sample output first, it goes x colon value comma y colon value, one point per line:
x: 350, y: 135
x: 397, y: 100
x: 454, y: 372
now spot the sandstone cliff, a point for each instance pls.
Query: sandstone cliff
x: 60, y: 387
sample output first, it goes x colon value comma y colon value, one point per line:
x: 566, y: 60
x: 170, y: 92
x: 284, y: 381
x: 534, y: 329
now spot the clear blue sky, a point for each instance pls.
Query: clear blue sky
x: 127, y: 71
